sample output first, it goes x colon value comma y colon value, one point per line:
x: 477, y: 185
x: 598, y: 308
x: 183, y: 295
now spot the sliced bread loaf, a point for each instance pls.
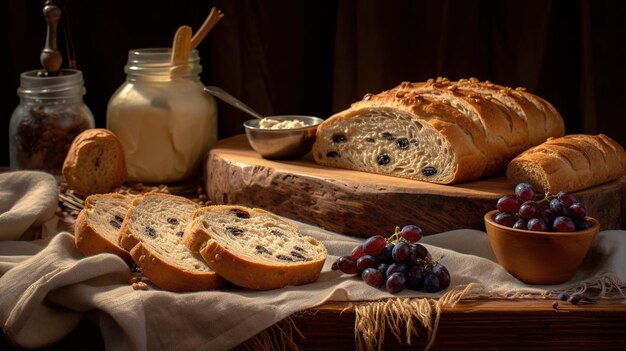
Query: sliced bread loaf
x: 98, y: 224
x: 153, y: 231
x: 253, y: 248
x: 95, y: 163
x: 569, y: 163
x: 440, y: 131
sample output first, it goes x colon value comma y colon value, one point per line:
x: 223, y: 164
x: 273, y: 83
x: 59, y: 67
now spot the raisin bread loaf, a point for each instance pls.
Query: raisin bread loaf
x: 569, y: 163
x: 95, y: 163
x: 253, y: 248
x: 438, y: 131
x: 98, y: 224
x: 153, y: 231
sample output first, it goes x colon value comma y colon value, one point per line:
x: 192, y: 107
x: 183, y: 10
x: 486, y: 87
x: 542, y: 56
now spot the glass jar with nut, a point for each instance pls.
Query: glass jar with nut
x: 50, y: 115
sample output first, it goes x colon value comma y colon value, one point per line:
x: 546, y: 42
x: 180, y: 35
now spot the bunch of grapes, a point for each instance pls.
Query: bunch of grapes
x: 558, y: 213
x: 397, y: 262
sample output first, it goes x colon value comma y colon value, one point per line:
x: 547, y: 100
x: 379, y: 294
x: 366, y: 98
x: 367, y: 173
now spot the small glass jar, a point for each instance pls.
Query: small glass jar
x: 162, y: 116
x: 50, y: 115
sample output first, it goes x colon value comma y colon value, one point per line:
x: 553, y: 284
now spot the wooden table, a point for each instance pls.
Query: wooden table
x: 470, y: 325
x: 488, y: 325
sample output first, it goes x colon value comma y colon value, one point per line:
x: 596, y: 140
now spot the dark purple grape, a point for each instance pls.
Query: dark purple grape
x: 347, y: 265
x: 520, y: 224
x: 558, y: 208
x: 508, y: 203
x: 568, y: 198
x: 367, y: 261
x: 582, y: 224
x: 418, y: 252
x: 577, y: 210
x: 563, y: 224
x: 546, y: 214
x: 525, y: 192
x: 334, y: 266
x: 385, y: 256
x: 401, y: 252
x: 537, y: 224
x: 431, y: 282
x: 396, y: 282
x: 574, y: 299
x: 415, y: 277
x: 373, y: 277
x: 374, y: 245
x: 528, y: 210
x: 411, y: 233
x: 505, y: 219
x: 442, y: 273
x: 396, y: 267
x: 357, y: 252
x: 383, y: 267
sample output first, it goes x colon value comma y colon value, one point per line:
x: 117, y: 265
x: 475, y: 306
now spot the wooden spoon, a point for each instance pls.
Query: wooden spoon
x: 181, y: 48
x: 214, y: 16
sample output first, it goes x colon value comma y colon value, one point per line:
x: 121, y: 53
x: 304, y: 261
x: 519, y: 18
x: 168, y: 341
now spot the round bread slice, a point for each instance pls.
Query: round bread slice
x: 253, y: 248
x: 95, y: 163
x: 98, y: 224
x: 153, y: 231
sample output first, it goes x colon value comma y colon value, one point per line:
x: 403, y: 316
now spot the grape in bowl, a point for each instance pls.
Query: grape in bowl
x: 540, y: 257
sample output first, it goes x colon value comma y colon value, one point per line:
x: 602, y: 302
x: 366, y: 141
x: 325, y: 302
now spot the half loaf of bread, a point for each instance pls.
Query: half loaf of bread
x: 153, y: 233
x: 98, y: 224
x: 253, y: 248
x: 569, y: 163
x: 439, y: 131
x: 95, y: 163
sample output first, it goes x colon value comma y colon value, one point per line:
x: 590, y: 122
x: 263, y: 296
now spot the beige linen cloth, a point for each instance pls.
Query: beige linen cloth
x: 47, y: 286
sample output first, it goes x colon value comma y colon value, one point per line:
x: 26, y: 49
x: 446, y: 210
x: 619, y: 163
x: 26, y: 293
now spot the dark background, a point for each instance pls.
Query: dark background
x: 317, y: 57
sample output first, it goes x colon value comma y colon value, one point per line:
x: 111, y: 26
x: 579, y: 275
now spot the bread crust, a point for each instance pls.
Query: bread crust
x: 89, y: 241
x: 243, y: 272
x: 569, y: 163
x: 83, y: 167
x: 485, y: 124
x: 173, y: 278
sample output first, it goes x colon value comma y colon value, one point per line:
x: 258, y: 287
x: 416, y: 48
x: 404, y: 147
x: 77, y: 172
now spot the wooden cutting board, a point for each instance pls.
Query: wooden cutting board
x: 363, y: 204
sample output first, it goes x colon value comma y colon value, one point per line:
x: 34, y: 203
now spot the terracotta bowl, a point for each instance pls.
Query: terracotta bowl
x: 545, y: 258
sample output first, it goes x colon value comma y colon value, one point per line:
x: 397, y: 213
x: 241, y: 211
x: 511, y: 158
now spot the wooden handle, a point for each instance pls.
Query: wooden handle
x: 214, y: 16
x: 181, y: 48
x: 51, y: 58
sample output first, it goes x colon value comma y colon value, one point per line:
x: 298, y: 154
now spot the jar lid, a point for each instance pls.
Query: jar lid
x: 68, y: 83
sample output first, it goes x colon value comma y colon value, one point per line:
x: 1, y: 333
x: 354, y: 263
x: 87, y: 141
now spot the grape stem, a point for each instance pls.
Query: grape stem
x: 396, y: 237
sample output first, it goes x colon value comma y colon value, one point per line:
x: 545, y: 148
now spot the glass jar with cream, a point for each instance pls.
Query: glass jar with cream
x: 162, y: 116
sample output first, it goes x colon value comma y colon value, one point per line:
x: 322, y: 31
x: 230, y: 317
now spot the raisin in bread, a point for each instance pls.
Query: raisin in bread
x: 98, y: 224
x: 95, y: 163
x: 569, y: 163
x: 253, y: 248
x: 153, y: 231
x: 438, y: 131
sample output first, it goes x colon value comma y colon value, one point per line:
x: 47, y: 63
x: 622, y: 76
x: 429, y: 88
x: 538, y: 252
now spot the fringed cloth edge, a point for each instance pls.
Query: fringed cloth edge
x: 373, y: 318
x: 279, y: 336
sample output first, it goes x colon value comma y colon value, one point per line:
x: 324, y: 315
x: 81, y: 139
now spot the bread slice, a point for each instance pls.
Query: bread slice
x: 98, y: 224
x: 439, y: 131
x: 253, y: 248
x: 569, y: 163
x: 95, y: 163
x: 153, y: 231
